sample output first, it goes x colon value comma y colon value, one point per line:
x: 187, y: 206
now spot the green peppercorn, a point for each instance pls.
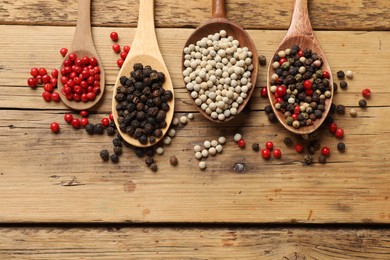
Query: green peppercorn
x: 256, y: 147
x: 104, y: 155
x: 90, y: 129
x: 322, y: 158
x: 288, y: 141
x: 341, y: 147
x: 343, y: 84
x: 362, y: 103
x: 340, y: 74
x: 262, y: 60
x: 308, y: 159
x: 118, y: 150
x: 340, y: 109
x: 114, y: 158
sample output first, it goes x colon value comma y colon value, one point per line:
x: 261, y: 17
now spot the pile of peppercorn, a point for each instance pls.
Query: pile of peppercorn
x: 299, y: 85
x: 142, y: 104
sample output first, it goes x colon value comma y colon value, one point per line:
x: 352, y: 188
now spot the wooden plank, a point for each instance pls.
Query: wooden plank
x: 35, y: 46
x: 193, y: 243
x: 36, y: 166
x: 325, y: 14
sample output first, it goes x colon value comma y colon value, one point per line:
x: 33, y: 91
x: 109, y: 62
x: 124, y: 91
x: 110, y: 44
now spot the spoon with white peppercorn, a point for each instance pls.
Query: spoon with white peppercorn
x: 308, y: 70
x: 148, y: 87
x: 220, y: 66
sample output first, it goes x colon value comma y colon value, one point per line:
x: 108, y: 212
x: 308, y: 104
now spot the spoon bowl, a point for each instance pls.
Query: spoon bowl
x: 144, y: 50
x: 301, y: 33
x: 215, y: 24
x: 82, y: 46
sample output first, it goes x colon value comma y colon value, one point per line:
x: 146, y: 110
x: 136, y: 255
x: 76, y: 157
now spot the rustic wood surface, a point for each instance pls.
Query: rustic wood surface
x: 48, y: 178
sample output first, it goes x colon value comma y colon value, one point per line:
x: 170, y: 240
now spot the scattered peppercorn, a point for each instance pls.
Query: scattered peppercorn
x: 90, y: 128
x: 110, y: 130
x: 55, y: 127
x: 104, y: 155
x: 98, y: 128
x: 325, y: 151
x: 272, y: 118
x: 366, y: 93
x: 114, y: 158
x: 118, y: 150
x: 241, y: 143
x: 239, y: 167
x: 277, y: 153
x: 299, y: 148
x: 341, y: 147
x: 322, y: 158
x: 335, y: 87
x: 149, y: 161
x: 340, y: 74
x: 362, y: 103
x: 268, y: 109
x: 308, y: 159
x: 343, y: 84
x: 173, y: 160
x: 116, y: 142
x: 349, y: 74
x: 139, y: 152
x: 288, y: 141
x: 153, y: 167
x: 339, y: 133
x: 340, y: 109
x: 353, y: 112
x: 266, y: 154
x: 262, y: 60
x: 256, y: 147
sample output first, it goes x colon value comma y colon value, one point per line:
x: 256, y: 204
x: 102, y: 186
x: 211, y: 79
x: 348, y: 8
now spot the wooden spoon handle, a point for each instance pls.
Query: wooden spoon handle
x: 83, y: 35
x: 145, y: 40
x: 219, y: 10
x: 300, y: 21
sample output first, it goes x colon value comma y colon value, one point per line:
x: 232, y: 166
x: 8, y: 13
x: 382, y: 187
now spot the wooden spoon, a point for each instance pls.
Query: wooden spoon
x: 145, y: 50
x: 82, y: 45
x: 215, y: 24
x: 301, y: 33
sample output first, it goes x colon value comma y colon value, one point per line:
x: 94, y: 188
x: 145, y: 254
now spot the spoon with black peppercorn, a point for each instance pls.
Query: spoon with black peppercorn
x: 217, y: 23
x: 145, y: 51
x: 83, y: 46
x: 301, y: 33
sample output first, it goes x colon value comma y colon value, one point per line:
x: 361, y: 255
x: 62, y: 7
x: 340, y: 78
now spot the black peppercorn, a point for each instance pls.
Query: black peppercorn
x: 308, y: 159
x: 139, y: 152
x: 98, y: 128
x: 341, y: 147
x: 256, y: 147
x: 149, y: 161
x: 114, y: 158
x: 272, y: 118
x: 110, y: 130
x: 143, y: 139
x: 340, y: 74
x: 90, y: 128
x: 262, y: 60
x: 322, y: 158
x: 157, y: 133
x: 362, y: 103
x: 153, y: 167
x: 123, y: 80
x: 150, y: 151
x: 117, y: 142
x: 343, y: 84
x: 340, y: 109
x: 104, y: 155
x: 118, y: 150
x: 268, y: 109
x: 288, y: 141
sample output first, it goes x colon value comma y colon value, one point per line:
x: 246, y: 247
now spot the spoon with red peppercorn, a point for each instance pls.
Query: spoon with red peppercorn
x: 81, y: 81
x: 219, y: 22
x: 144, y: 52
x: 300, y: 33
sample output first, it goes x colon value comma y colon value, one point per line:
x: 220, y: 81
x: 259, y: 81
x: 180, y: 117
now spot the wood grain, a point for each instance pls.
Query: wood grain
x: 195, y: 243
x: 325, y: 14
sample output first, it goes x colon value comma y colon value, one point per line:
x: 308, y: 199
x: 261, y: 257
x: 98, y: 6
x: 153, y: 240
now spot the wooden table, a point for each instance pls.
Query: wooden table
x: 59, y: 200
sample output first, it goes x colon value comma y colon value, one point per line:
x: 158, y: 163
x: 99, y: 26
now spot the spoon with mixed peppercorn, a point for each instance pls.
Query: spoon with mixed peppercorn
x: 300, y: 83
x: 227, y: 66
x: 81, y: 81
x: 143, y: 102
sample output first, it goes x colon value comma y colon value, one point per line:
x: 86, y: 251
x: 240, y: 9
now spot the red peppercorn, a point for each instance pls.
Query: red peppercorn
x: 72, y: 57
x: 84, y: 121
x: 325, y: 151
x: 269, y: 145
x: 281, y: 91
x: 34, y: 72
x: 105, y: 122
x: 42, y: 71
x: 114, y: 36
x: 277, y: 153
x: 332, y: 128
x: 64, y: 51
x: 325, y: 74
x: 116, y: 48
x: 48, y: 87
x: 300, y: 53
x: 282, y: 60
x: 263, y: 92
x: 294, y: 116
x: 111, y: 117
x: 32, y: 83
x: 93, y: 61
x: 46, y: 78
x: 123, y: 55
x: 126, y: 48
x: 241, y: 143
x: 366, y: 93
x: 91, y: 96
x: 39, y: 79
x: 54, y: 81
x: 84, y: 113
x: 298, y: 148
x: 307, y: 84
x: 266, y: 154
x: 68, y: 118
x: 55, y: 127
x: 309, y: 92
x: 119, y: 62
x: 46, y: 96
x: 75, y: 123
x: 339, y: 133
x: 54, y: 73
x: 55, y: 96
x: 297, y: 109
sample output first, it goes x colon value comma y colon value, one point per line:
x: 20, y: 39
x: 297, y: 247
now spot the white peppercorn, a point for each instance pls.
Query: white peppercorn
x: 207, y: 144
x: 214, y: 143
x: 198, y: 155
x: 222, y: 140
x: 353, y: 111
x: 205, y: 153
x: 175, y: 121
x: 212, y: 151
x: 159, y: 150
x: 172, y: 132
x: 237, y: 137
x: 202, y: 165
x: 190, y: 116
x: 183, y: 119
x: 349, y: 74
x: 167, y: 140
x: 219, y: 148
